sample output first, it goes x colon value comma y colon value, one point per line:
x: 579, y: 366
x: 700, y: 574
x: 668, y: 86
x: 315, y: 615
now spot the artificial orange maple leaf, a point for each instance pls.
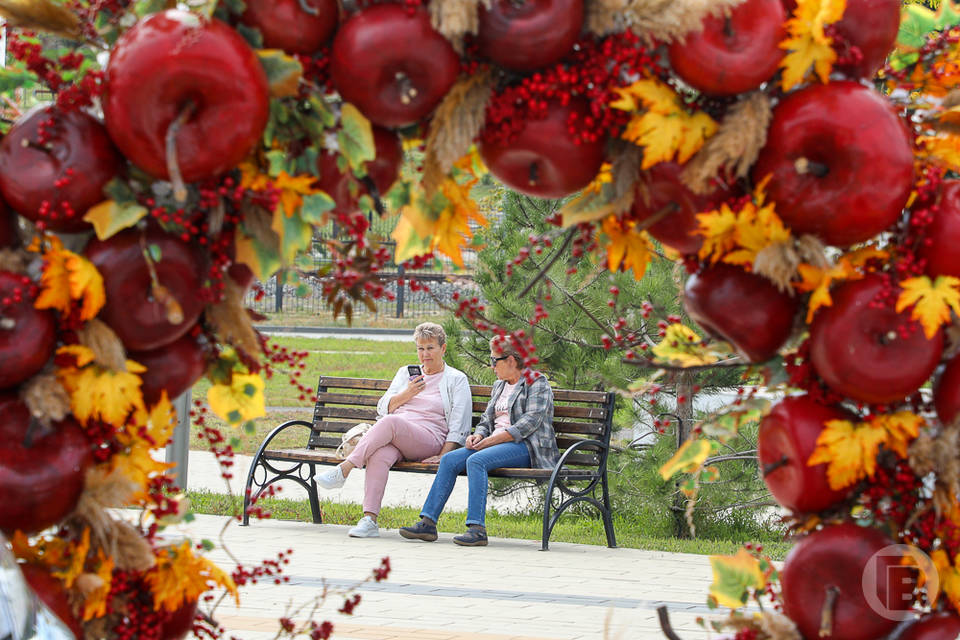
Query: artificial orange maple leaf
x: 949, y: 576
x: 849, y: 450
x: 819, y: 281
x: 666, y: 129
x: 757, y: 227
x: 179, y: 576
x: 931, y: 301
x: 98, y: 393
x: 292, y: 189
x: 942, y: 149
x: 901, y: 428
x: 76, y: 559
x: 719, y: 231
x: 626, y: 247
x: 95, y: 605
x: 68, y: 278
x: 807, y: 44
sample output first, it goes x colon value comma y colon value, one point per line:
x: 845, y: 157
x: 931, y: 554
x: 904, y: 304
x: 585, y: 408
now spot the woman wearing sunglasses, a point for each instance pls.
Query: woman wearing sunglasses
x: 516, y: 430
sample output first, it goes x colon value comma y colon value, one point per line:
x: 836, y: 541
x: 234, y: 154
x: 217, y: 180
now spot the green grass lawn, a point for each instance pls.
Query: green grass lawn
x: 345, y: 357
x: 570, y: 528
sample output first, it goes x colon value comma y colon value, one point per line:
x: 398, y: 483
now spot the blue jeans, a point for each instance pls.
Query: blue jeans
x: 478, y: 464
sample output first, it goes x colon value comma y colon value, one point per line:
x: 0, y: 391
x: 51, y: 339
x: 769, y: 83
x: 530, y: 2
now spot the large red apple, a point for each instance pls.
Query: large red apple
x: 524, y: 35
x: 840, y: 161
x: 296, y: 26
x: 946, y: 391
x: 51, y: 592
x: 383, y: 170
x: 744, y: 309
x: 175, y: 64
x: 942, y: 235
x: 41, y: 473
x: 661, y: 191
x: 8, y: 228
x: 180, y: 622
x: 871, y: 26
x: 392, y: 64
x: 733, y: 54
x: 143, y: 317
x: 787, y: 439
x: 851, y: 560
x: 51, y: 157
x: 172, y: 368
x: 544, y: 160
x: 27, y: 335
x: 943, y: 625
x: 857, y: 349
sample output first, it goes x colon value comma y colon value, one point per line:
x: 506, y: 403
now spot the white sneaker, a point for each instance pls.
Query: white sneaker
x: 366, y: 528
x: 331, y: 478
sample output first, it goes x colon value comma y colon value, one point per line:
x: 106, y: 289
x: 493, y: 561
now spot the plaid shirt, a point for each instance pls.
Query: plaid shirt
x: 531, y: 419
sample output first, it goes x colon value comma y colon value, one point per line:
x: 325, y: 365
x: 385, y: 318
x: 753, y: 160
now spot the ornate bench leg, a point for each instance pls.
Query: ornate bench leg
x: 314, y: 500
x: 547, y: 529
x: 608, y: 515
x: 246, y: 490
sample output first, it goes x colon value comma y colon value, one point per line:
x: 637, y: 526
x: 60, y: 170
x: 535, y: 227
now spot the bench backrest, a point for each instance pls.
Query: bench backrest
x: 578, y: 415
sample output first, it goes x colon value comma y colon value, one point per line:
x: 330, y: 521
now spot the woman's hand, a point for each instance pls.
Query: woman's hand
x: 415, y: 386
x: 472, y: 441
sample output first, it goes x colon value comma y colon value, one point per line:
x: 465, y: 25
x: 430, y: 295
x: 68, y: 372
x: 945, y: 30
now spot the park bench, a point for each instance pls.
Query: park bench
x: 582, y: 420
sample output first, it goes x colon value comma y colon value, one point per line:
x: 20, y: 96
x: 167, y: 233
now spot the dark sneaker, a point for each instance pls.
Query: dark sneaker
x: 472, y: 538
x: 420, y: 531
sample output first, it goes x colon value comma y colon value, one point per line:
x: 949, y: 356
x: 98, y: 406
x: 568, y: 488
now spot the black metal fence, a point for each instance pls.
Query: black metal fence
x: 307, y: 298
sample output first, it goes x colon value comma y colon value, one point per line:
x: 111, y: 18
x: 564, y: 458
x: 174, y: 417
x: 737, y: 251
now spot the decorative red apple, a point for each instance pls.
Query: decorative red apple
x: 27, y: 335
x: 833, y: 561
x: 172, y: 368
x: 544, y: 160
x: 863, y: 349
x: 197, y: 82
x: 744, y: 309
x: 296, y: 26
x: 148, y: 314
x: 733, y: 54
x: 8, y: 228
x: 391, y: 64
x: 180, y: 622
x: 524, y: 35
x: 383, y: 170
x: 840, y: 161
x: 871, y: 26
x: 54, y: 165
x: 946, y: 391
x: 942, y: 235
x: 787, y: 438
x: 942, y: 625
x: 52, y: 593
x: 41, y: 472
x: 662, y: 193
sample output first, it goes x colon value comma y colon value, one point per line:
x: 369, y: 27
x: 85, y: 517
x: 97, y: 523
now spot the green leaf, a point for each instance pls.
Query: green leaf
x: 726, y: 423
x: 278, y: 162
x: 314, y: 206
x: 355, y: 137
x: 295, y: 235
x: 263, y: 258
x: 154, y: 251
x: 207, y: 545
x: 146, y: 7
x: 733, y: 577
x: 399, y: 195
x: 120, y: 191
x: 688, y: 458
x: 302, y: 291
x: 283, y: 72
x: 189, y: 517
x: 915, y: 23
x: 11, y: 79
x: 251, y: 34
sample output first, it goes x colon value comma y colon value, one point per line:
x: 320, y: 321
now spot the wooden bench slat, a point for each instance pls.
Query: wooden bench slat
x: 354, y: 383
x: 579, y: 428
x: 349, y: 399
x: 347, y: 412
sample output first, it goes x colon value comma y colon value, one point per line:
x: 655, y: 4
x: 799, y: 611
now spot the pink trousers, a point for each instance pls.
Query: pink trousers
x: 391, y: 439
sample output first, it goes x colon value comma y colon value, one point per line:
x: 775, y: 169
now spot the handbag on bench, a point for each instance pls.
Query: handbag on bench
x: 350, y: 439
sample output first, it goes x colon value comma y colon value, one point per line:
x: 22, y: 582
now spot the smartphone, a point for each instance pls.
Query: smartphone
x: 413, y: 370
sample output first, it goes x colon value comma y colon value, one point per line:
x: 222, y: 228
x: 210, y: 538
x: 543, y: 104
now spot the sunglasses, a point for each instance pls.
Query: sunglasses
x: 494, y: 361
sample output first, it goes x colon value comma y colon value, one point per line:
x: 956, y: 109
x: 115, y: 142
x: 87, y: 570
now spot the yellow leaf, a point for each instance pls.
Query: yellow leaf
x: 179, y: 576
x: 688, y: 458
x: 901, y: 429
x: 75, y: 560
x: 859, y: 257
x: 95, y: 605
x: 626, y: 248
x: 807, y: 44
x: 108, y: 217
x: 681, y: 346
x: 292, y: 189
x: 68, y: 278
x: 849, y: 450
x: 819, y: 281
x: 452, y: 230
x: 719, y: 231
x: 932, y: 301
x: 949, y: 578
x: 734, y: 576
x: 409, y: 243
x: 666, y: 130
x: 239, y: 401
x: 100, y: 394
x: 944, y: 147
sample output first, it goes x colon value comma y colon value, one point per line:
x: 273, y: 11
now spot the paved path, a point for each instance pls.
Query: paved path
x: 439, y: 591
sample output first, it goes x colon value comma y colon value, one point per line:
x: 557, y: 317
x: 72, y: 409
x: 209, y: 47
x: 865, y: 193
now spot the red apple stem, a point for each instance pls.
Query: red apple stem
x: 371, y: 188
x: 30, y: 144
x: 661, y: 213
x: 173, y: 164
x: 665, y: 625
x: 770, y: 467
x: 534, y: 174
x: 826, y: 612
x: 804, y: 166
x: 407, y: 91
x: 309, y: 9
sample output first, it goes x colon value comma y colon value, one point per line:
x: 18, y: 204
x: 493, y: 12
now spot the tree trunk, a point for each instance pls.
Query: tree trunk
x: 684, y: 390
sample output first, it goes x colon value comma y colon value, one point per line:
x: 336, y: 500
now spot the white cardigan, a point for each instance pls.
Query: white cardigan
x: 455, y: 393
